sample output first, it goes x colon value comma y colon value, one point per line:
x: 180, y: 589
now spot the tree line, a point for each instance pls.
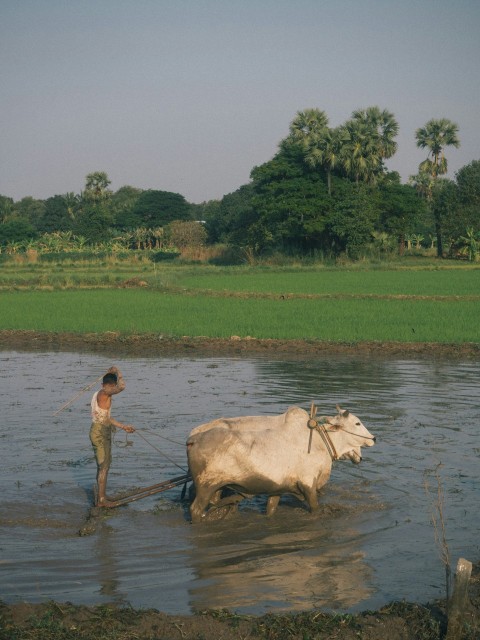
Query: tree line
x: 325, y: 191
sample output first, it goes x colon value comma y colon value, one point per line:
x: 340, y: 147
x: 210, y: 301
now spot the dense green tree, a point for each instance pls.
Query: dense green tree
x: 444, y: 211
x: 30, y: 209
x: 354, y: 219
x: 227, y: 220
x: 122, y: 204
x: 95, y: 216
x: 57, y: 215
x: 6, y: 208
x: 95, y: 222
x: 468, y: 185
x: 209, y: 213
x: 16, y: 230
x: 403, y: 211
x: 158, y: 208
x: 290, y: 202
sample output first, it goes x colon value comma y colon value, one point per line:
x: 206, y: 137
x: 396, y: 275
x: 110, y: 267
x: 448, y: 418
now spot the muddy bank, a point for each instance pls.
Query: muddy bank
x: 396, y: 621
x: 157, y: 344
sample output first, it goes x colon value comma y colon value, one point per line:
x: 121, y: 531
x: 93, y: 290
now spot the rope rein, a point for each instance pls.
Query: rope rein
x: 137, y: 431
x: 159, y: 435
x: 161, y: 452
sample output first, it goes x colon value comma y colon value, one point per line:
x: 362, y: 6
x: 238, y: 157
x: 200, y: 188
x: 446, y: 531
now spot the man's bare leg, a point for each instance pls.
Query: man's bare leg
x: 103, y: 500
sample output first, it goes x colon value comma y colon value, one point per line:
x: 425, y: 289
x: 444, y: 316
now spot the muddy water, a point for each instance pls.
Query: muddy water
x: 371, y: 542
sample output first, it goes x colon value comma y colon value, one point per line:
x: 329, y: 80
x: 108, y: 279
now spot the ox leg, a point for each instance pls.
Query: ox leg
x: 205, y: 496
x: 272, y: 504
x: 310, y: 495
x: 201, y: 502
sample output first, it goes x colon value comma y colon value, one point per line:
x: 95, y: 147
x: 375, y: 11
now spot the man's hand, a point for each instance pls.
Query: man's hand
x: 113, y: 370
x: 128, y: 428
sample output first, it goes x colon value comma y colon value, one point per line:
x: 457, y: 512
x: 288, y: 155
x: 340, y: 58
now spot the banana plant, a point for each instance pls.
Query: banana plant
x: 471, y: 244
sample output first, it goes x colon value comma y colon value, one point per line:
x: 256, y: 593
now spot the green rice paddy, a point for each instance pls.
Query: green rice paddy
x: 334, y: 282
x: 439, y: 304
x: 137, y: 311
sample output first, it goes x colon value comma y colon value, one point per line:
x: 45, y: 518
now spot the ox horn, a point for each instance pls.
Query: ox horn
x: 345, y: 413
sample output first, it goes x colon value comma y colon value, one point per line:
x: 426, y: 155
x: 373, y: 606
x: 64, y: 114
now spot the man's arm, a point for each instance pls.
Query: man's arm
x: 119, y: 425
x: 120, y: 386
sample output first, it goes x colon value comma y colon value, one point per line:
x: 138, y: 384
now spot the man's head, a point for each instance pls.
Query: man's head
x: 109, y: 378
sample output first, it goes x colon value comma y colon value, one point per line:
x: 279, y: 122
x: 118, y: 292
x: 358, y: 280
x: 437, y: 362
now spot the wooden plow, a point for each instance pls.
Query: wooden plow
x: 144, y: 492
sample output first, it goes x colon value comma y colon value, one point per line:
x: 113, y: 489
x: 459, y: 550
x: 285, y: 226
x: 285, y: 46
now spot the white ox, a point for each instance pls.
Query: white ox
x: 270, y: 455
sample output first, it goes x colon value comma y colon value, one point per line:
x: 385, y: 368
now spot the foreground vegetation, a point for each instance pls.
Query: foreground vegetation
x: 396, y: 621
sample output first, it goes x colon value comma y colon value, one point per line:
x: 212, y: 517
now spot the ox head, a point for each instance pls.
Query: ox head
x: 350, y: 434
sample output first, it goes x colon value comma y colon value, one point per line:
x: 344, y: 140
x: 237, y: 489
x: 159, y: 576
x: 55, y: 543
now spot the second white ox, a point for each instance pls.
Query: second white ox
x: 270, y: 455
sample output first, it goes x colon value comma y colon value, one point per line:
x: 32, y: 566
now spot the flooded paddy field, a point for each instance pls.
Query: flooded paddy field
x: 371, y: 542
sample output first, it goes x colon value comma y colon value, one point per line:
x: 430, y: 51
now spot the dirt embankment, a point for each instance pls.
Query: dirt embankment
x: 158, y: 344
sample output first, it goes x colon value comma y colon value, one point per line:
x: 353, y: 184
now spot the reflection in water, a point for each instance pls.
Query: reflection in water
x: 357, y: 553
x: 290, y: 562
x: 106, y: 558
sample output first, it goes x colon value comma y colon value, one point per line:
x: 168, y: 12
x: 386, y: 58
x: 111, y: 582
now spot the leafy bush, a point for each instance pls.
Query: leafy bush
x: 161, y: 256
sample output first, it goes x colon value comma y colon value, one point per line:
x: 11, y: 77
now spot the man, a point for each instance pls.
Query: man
x: 102, y: 427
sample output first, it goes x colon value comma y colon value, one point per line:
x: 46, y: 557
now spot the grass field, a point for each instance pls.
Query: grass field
x: 334, y: 282
x: 346, y: 305
x: 142, y: 311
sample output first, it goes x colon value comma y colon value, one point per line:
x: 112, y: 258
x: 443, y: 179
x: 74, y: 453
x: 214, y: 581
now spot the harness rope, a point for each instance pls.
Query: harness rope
x: 315, y: 425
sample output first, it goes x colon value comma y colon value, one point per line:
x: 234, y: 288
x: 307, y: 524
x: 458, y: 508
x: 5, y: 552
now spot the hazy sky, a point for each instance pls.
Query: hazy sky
x: 189, y: 95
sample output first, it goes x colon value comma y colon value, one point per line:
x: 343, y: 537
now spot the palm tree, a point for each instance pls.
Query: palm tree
x: 383, y: 128
x: 326, y: 152
x: 307, y: 126
x: 435, y: 136
x: 361, y: 156
x: 371, y: 134
x: 71, y: 203
x: 96, y: 186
